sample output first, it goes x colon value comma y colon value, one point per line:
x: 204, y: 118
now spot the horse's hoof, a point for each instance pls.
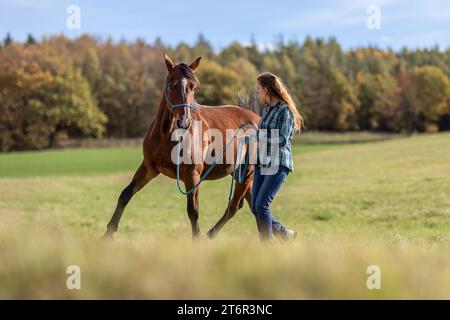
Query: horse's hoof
x: 196, y: 237
x: 107, y: 236
x: 211, y: 234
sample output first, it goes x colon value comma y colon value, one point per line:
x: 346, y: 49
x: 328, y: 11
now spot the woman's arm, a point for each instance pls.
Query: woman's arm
x: 285, y: 125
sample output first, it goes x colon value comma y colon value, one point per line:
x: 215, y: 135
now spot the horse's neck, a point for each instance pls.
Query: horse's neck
x: 163, y: 123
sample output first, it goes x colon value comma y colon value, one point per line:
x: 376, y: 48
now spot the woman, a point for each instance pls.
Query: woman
x: 281, y: 113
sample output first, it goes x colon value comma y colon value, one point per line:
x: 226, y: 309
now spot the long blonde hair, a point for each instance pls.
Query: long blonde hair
x: 276, y: 88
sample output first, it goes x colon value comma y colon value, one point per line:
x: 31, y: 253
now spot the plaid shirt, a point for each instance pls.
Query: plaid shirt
x: 281, y: 118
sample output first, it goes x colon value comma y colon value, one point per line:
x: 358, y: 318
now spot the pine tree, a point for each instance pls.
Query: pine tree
x: 7, y: 40
x: 30, y: 40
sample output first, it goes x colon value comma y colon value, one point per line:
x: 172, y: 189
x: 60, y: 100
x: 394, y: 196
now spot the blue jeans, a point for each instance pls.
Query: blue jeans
x: 263, y: 191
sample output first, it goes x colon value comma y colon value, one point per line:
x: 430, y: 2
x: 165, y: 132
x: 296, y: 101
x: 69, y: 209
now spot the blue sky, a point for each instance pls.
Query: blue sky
x: 410, y: 23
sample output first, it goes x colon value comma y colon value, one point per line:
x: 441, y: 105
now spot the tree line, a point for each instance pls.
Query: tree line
x: 59, y: 88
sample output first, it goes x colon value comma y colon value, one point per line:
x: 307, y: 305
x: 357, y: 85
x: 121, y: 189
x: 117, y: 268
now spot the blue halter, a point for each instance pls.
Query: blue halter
x: 174, y: 106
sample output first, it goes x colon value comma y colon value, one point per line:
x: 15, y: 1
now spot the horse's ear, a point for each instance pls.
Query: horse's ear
x: 169, y: 63
x: 195, y: 64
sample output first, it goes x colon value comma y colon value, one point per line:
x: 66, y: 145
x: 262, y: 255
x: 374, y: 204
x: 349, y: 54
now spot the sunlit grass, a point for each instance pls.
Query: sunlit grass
x: 85, y: 162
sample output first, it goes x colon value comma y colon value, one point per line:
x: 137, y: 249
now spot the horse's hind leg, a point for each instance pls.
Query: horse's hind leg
x: 241, y: 190
x: 142, y: 176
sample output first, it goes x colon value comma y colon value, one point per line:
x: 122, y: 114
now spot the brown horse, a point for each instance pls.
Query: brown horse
x: 181, y: 83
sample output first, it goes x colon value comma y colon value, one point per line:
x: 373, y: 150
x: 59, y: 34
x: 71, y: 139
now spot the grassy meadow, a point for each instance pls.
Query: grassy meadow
x: 385, y: 202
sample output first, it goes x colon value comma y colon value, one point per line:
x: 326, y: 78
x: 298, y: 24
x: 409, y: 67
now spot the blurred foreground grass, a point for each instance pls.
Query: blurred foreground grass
x: 233, y: 268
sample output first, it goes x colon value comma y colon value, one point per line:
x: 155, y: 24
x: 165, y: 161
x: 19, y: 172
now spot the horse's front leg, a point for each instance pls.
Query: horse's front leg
x: 193, y: 206
x: 142, y: 176
x: 193, y: 211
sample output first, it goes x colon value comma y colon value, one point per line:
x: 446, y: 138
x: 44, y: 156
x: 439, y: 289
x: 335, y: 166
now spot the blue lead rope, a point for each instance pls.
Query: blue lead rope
x: 237, y: 159
x: 241, y: 173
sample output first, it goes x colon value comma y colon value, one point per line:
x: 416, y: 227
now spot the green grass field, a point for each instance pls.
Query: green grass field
x: 384, y: 203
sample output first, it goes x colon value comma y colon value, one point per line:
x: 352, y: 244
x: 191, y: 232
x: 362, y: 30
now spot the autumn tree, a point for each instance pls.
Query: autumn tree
x: 57, y: 88
x: 431, y: 89
x: 218, y: 84
x: 43, y: 100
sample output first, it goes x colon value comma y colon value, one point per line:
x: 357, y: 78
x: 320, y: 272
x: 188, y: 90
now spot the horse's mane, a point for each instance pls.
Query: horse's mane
x: 189, y: 74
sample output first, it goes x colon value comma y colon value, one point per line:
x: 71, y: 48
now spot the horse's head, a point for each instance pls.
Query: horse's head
x: 179, y: 90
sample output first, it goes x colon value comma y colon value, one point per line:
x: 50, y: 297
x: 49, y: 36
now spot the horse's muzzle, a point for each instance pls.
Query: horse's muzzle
x: 183, y: 124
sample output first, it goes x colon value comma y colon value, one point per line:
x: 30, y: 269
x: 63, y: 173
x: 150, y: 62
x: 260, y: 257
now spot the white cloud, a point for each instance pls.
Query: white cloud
x: 261, y: 45
x: 340, y: 14
x: 386, y: 39
x: 335, y: 14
